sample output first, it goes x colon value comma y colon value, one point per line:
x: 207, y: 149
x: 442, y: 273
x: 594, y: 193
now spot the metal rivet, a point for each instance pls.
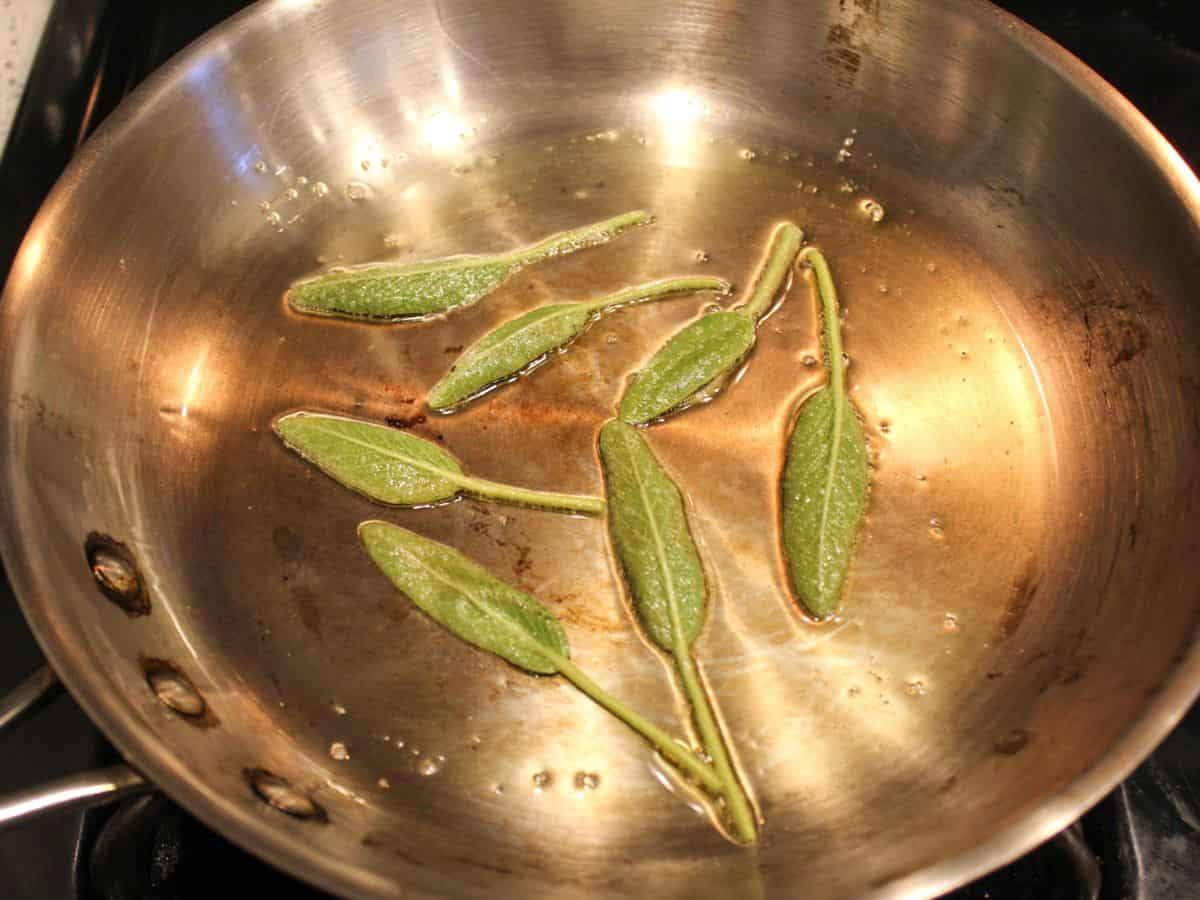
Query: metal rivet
x: 279, y: 793
x: 116, y: 573
x: 174, y: 689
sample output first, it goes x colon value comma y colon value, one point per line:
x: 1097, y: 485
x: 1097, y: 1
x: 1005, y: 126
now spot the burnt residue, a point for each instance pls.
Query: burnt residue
x: 1012, y: 743
x: 288, y: 544
x: 176, y: 691
x: 1114, y: 328
x: 842, y: 54
x: 278, y: 793
x: 116, y: 574
x: 1020, y: 598
x: 309, y: 608
x: 846, y: 42
x: 405, y: 421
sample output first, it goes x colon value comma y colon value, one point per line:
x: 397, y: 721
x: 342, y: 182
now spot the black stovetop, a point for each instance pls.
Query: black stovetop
x: 1142, y: 842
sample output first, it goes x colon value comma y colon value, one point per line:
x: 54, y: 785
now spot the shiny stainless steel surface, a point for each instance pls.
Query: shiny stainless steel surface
x: 93, y: 788
x: 1021, y: 624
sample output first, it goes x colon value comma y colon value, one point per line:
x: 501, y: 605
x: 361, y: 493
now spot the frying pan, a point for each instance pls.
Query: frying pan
x: 1020, y: 626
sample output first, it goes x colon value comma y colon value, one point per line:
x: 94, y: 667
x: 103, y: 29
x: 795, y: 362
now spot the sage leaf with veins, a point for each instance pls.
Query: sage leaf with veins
x: 388, y: 292
x: 658, y: 557
x: 694, y: 364
x: 400, y: 469
x: 522, y: 343
x: 468, y: 601
x: 825, y: 475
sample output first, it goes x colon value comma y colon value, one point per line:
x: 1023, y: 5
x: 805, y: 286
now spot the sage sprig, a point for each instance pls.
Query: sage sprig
x: 658, y: 557
x: 523, y: 343
x: 399, y: 469
x: 695, y: 362
x: 468, y: 601
x: 388, y: 292
x: 825, y: 475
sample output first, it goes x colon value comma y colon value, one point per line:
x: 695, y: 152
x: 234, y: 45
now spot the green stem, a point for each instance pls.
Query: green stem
x: 669, y: 747
x: 507, y: 493
x: 740, y: 813
x: 587, y: 236
x: 656, y: 290
x: 785, y: 244
x: 832, y: 330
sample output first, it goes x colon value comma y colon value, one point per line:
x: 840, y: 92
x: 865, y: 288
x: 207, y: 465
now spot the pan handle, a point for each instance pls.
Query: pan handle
x: 85, y: 789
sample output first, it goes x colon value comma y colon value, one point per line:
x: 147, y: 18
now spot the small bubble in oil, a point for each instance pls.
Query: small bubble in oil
x: 921, y: 477
x: 848, y: 142
x: 937, y: 529
x: 930, y: 267
x: 320, y: 189
x: 843, y: 155
x: 273, y: 218
x: 542, y: 780
x: 338, y: 751
x: 885, y: 427
x: 264, y: 206
x: 302, y: 181
x: 710, y: 308
x: 291, y: 193
x: 384, y: 783
x: 747, y: 154
x: 586, y: 781
x: 950, y: 623
x: 581, y: 194
x: 702, y: 256
x: 883, y: 289
x: 339, y: 709
x: 872, y: 209
x: 365, y: 165
x: 431, y: 765
x: 260, y: 167
x: 812, y: 189
x: 610, y: 339
x: 915, y: 688
x: 356, y: 191
x: 809, y: 360
x: 847, y: 186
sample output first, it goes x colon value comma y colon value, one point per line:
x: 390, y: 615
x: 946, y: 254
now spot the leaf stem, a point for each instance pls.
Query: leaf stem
x: 668, y: 746
x: 785, y: 244
x: 830, y: 317
x: 656, y: 290
x: 507, y: 493
x: 740, y: 813
x: 588, y: 235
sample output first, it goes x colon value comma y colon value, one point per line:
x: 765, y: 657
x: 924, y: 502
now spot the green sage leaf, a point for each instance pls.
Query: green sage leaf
x: 464, y: 598
x: 400, y: 469
x: 468, y: 601
x: 521, y: 344
x: 696, y: 362
x: 650, y: 534
x: 825, y: 476
x: 693, y: 359
x: 389, y: 292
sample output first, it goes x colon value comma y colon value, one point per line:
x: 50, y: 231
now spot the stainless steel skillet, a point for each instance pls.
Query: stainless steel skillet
x: 1054, y: 524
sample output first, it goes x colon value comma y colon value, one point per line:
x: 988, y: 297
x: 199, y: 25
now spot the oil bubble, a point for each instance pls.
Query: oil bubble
x: 872, y: 209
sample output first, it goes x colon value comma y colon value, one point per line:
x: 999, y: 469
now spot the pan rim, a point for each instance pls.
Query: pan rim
x: 263, y: 837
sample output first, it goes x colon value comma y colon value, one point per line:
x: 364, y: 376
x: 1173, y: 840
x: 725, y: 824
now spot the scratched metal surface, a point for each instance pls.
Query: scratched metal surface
x: 1020, y: 620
